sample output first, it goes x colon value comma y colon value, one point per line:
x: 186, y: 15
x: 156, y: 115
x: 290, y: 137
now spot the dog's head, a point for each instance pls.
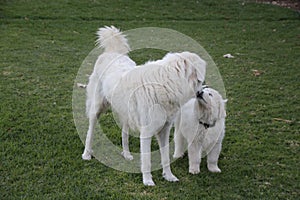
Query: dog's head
x: 189, y: 67
x: 212, y: 106
x: 194, y: 68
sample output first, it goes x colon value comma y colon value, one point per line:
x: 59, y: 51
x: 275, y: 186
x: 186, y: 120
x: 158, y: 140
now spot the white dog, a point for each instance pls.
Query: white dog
x: 202, y: 125
x: 145, y: 98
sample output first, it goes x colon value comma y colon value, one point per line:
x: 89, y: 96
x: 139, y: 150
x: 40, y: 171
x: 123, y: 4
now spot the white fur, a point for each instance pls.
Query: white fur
x: 145, y: 98
x: 209, y: 109
x: 115, y: 46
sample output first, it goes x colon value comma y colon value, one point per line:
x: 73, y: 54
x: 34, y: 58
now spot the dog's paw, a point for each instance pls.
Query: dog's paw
x: 127, y: 155
x: 214, y: 168
x: 86, y: 155
x: 149, y: 183
x: 178, y: 155
x: 170, y: 177
x: 147, y: 179
x: 194, y: 170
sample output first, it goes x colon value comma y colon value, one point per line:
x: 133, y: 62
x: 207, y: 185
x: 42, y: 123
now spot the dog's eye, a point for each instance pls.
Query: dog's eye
x: 210, y: 94
x: 199, y: 81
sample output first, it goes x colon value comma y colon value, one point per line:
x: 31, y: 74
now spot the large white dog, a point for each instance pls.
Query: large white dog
x: 145, y: 98
x: 202, y: 124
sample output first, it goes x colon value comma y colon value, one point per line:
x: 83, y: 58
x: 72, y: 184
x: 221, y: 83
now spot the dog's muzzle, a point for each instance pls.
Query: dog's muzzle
x: 199, y: 94
x: 206, y: 126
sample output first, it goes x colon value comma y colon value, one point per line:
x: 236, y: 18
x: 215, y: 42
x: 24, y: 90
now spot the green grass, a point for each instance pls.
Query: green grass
x: 42, y: 45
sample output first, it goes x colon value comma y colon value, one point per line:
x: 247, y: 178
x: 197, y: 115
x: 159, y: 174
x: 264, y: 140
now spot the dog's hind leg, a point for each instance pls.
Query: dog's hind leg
x: 125, y: 143
x: 98, y: 106
x: 163, y: 141
x: 87, y: 154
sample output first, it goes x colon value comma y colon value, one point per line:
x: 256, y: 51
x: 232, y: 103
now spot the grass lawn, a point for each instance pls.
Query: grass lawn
x: 42, y: 46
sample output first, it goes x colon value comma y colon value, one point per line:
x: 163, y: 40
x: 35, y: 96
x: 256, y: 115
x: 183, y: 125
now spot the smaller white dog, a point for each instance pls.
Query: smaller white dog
x: 202, y: 124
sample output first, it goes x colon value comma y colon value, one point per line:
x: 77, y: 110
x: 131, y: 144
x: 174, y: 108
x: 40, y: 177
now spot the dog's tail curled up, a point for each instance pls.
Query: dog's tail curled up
x: 112, y: 40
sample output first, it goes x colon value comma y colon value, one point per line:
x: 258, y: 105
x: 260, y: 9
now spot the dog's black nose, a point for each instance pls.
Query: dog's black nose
x: 199, y: 94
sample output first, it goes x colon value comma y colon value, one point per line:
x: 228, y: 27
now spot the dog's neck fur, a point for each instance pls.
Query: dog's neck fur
x: 203, y: 117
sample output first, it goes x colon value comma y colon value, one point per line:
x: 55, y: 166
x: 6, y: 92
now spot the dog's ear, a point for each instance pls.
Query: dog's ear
x: 201, y: 74
x: 199, y: 66
x: 185, y: 65
x: 222, y: 112
x: 196, y: 66
x: 183, y: 62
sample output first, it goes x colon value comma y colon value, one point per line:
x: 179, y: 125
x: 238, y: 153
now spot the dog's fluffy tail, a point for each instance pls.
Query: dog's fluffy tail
x: 112, y: 40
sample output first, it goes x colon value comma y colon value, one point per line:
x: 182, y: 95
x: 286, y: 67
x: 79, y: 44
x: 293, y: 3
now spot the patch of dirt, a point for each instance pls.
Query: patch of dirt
x: 292, y: 4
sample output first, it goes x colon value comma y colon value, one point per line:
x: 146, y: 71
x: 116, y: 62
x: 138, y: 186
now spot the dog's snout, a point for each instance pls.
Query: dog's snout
x: 199, y: 94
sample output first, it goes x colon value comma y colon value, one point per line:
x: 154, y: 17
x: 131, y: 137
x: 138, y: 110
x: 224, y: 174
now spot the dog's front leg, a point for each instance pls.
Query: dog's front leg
x: 146, y: 160
x: 163, y: 141
x: 194, y: 154
x: 212, y: 158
